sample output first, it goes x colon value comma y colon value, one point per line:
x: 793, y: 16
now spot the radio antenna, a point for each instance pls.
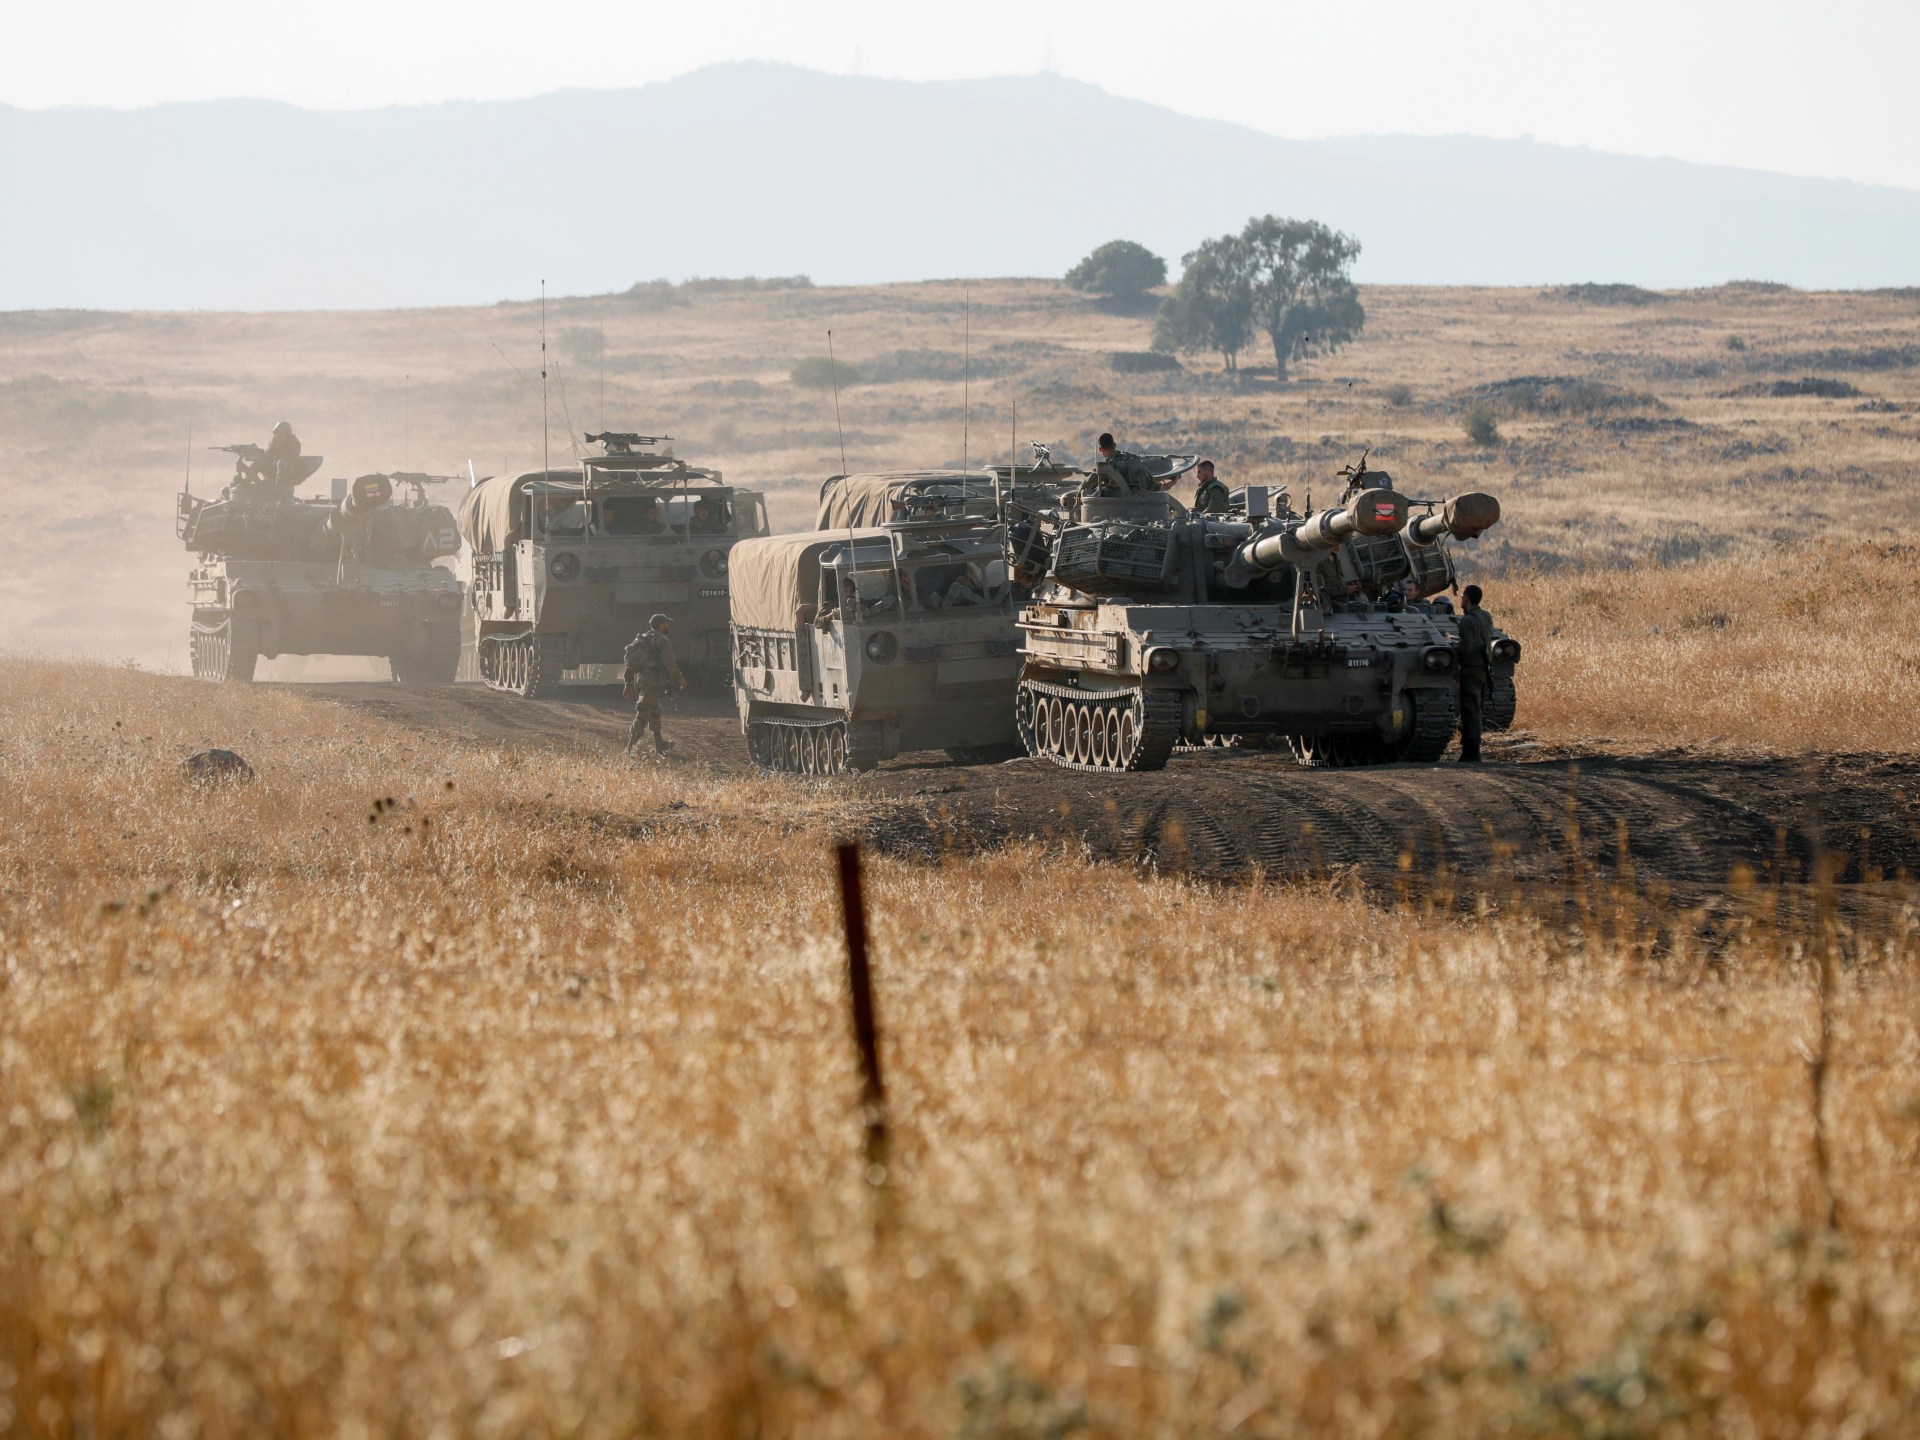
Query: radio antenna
x: 833, y: 370
x: 189, y: 455
x: 406, y: 423
x: 1013, y: 466
x: 546, y: 463
x: 603, y: 374
x: 966, y: 375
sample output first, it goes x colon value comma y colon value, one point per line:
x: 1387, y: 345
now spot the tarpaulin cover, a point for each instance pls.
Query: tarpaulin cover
x: 771, y: 578
x: 490, y: 513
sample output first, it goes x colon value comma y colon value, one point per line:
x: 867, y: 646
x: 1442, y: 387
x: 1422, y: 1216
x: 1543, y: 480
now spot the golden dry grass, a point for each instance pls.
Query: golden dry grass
x: 526, y: 1107
x: 1812, y: 658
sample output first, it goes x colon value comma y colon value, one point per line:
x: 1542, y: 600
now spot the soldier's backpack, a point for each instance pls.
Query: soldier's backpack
x: 642, y: 655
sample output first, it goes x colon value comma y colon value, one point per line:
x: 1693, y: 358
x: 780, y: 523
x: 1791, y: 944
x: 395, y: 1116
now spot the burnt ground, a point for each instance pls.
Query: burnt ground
x: 1684, y: 820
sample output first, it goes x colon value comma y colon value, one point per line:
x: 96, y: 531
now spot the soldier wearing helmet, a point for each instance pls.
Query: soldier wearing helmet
x: 278, y: 467
x: 650, y: 664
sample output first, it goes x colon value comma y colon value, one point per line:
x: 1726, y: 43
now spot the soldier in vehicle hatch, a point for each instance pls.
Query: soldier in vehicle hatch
x: 1129, y: 469
x: 1209, y: 494
x: 277, y: 464
x: 1473, y: 659
x: 650, y: 665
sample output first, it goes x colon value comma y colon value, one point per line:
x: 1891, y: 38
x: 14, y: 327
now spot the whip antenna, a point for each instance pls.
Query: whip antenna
x: 189, y: 455
x: 833, y: 370
x: 545, y: 413
x: 966, y: 375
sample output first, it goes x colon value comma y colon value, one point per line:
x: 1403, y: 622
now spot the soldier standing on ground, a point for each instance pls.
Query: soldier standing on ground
x: 650, y: 665
x: 1130, y: 469
x: 1472, y: 661
x: 1209, y: 494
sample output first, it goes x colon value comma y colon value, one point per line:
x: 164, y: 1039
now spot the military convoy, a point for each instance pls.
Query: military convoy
x: 1149, y: 626
x: 276, y: 574
x: 1081, y: 615
x: 567, y: 565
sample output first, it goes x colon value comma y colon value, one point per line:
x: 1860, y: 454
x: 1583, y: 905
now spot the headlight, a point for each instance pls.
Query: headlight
x: 564, y: 567
x: 714, y: 563
x: 1161, y: 659
x: 1438, y: 659
x: 1506, y: 650
x: 881, y: 647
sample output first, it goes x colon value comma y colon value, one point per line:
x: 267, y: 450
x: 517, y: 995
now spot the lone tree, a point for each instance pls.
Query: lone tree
x: 1212, y: 306
x: 1119, y: 267
x: 1287, y: 278
x: 1302, y: 296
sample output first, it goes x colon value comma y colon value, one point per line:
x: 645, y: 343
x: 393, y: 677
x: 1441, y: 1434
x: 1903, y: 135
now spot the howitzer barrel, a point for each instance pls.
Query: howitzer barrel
x: 1462, y: 517
x: 1371, y: 512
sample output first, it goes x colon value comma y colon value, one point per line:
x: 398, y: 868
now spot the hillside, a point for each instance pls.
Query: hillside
x: 1654, y: 440
x: 757, y: 169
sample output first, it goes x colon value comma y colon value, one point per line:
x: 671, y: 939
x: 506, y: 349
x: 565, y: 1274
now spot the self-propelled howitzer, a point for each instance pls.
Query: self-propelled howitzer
x: 1155, y: 625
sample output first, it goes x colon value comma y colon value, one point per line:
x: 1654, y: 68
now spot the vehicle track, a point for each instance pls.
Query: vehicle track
x: 1683, y: 820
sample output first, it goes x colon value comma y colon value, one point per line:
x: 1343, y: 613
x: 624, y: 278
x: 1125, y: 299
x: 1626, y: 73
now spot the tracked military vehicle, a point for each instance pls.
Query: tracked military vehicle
x: 1151, y: 626
x: 350, y: 575
x: 569, y: 564
x: 889, y: 627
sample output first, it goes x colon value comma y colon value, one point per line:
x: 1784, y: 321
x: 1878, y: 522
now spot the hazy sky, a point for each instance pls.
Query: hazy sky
x: 1812, y: 89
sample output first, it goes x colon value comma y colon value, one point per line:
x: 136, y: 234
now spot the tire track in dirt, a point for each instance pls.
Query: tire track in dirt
x: 1685, y: 820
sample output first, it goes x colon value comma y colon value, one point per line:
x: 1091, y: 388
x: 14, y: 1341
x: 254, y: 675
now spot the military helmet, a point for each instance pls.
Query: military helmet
x: 658, y: 620
x: 283, y: 428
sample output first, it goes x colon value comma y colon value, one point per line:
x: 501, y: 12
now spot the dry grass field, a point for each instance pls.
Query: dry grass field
x: 442, y: 1082
x: 435, y: 1088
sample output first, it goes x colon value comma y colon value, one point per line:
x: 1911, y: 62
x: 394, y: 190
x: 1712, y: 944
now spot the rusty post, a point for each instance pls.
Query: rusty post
x: 866, y: 1030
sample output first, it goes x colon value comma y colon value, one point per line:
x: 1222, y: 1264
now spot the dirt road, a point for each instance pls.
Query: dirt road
x: 1684, y: 820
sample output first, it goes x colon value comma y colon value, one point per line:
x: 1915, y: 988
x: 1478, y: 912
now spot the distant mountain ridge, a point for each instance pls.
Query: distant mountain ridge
x: 762, y: 169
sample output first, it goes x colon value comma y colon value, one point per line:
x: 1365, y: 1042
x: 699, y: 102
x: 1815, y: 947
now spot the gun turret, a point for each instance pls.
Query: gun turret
x: 1463, y: 517
x: 1370, y: 513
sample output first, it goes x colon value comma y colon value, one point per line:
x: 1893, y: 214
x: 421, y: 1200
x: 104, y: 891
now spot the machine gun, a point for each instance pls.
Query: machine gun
x: 250, y: 460
x: 624, y: 442
x: 418, y: 483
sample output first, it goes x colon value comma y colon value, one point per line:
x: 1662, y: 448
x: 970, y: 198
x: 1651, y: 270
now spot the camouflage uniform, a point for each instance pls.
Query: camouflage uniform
x: 1133, y: 472
x: 276, y: 464
x: 1472, y: 659
x: 650, y: 665
x: 1211, y: 497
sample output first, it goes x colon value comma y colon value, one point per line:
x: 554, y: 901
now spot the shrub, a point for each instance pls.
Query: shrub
x: 1141, y: 362
x: 1736, y: 342
x: 1481, y: 427
x: 816, y: 372
x: 654, y: 295
x: 1399, y: 394
x: 1119, y: 267
x: 1611, y: 294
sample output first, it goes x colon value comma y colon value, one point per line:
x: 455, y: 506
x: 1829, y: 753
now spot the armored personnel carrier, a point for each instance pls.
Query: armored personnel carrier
x: 888, y: 627
x: 568, y: 565
x: 351, y: 575
x: 1150, y: 626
